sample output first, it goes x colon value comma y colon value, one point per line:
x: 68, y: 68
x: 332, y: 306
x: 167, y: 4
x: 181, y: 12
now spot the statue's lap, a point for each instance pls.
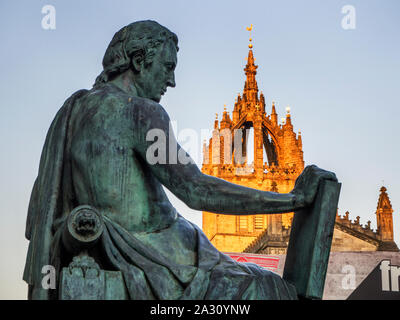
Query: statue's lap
x: 176, y: 243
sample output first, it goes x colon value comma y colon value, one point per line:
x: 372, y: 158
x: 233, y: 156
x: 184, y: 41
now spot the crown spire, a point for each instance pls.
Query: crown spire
x: 250, y: 87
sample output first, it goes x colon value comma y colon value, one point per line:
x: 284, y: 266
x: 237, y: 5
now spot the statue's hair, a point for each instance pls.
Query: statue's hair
x: 139, y: 39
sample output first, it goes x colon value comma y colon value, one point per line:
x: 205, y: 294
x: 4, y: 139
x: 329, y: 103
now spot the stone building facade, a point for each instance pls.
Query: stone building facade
x: 277, y: 162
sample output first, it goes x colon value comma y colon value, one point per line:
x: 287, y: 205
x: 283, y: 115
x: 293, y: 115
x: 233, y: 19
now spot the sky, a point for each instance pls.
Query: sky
x: 342, y: 86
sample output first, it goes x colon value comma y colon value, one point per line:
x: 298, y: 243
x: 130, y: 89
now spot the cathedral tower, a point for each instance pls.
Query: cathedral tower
x: 277, y: 162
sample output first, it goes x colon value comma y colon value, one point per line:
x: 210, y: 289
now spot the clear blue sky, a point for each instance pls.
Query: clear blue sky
x: 342, y: 86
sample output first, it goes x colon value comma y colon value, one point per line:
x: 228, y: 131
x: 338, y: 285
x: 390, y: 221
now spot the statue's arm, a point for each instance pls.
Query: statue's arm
x: 199, y: 191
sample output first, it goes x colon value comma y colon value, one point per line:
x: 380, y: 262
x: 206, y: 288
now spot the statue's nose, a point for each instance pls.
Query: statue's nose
x: 171, y: 81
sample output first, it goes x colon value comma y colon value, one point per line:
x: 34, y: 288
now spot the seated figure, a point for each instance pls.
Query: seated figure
x: 95, y: 154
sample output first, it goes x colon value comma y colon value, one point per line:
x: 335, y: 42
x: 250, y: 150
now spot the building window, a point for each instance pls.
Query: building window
x: 243, y: 223
x: 258, y: 222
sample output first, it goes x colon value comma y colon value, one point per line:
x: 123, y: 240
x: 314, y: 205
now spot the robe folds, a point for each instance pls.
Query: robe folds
x: 147, y: 273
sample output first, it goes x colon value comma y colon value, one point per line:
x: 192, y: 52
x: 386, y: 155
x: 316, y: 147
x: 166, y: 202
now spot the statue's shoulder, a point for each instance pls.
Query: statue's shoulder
x: 106, y: 94
x: 111, y: 94
x: 144, y: 112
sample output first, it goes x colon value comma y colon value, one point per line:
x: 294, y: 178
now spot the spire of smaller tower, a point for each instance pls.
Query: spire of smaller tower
x: 288, y: 118
x: 384, y: 221
x: 384, y: 203
x: 216, y: 121
x: 226, y: 119
x: 262, y: 102
x: 273, y: 108
x: 300, y: 140
x: 274, y: 115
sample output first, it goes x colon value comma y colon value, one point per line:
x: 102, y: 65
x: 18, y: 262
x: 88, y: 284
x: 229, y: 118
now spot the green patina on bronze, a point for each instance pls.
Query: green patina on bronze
x: 95, y: 155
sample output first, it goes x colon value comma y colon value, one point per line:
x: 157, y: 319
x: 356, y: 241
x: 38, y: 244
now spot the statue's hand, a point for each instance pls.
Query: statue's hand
x: 307, y: 183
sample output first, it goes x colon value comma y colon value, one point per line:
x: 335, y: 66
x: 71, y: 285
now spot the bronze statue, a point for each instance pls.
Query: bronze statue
x: 95, y: 156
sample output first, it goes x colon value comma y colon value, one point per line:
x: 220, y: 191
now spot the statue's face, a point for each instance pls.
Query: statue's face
x: 153, y: 80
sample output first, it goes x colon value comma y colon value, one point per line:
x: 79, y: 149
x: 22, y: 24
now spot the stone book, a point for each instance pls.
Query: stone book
x: 310, y: 242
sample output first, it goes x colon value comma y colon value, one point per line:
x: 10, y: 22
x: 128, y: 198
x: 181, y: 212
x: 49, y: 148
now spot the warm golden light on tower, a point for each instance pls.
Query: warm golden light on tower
x: 277, y: 161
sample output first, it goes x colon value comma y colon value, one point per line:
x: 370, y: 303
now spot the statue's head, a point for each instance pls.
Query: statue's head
x: 147, y: 49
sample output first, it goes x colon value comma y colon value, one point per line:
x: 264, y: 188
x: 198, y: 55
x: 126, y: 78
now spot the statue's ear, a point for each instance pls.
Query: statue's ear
x: 137, y: 62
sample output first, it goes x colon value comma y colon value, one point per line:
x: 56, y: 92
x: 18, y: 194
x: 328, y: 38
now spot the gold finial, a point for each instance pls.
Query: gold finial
x: 216, y: 116
x: 224, y: 107
x: 249, y: 29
